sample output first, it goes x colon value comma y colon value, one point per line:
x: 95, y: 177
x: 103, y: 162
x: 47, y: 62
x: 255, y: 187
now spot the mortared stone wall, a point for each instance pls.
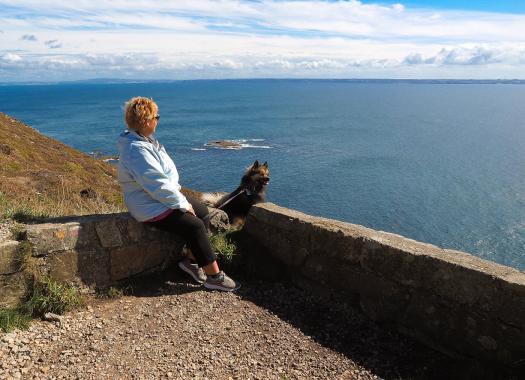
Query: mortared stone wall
x: 449, y: 300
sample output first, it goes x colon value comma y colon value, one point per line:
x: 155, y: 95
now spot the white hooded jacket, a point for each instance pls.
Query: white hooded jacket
x: 148, y: 177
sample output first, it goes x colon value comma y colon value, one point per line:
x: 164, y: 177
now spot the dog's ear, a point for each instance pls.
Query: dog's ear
x: 265, y: 164
x: 255, y: 164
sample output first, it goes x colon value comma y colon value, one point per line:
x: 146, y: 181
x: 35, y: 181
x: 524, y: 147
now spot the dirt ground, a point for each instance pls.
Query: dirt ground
x: 170, y: 328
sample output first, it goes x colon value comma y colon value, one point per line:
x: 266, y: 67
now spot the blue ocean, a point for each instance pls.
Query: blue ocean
x: 439, y: 163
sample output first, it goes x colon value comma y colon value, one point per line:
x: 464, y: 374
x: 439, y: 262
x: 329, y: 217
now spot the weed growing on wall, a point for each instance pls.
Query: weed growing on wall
x: 52, y: 296
x: 17, y: 231
x: 25, y: 249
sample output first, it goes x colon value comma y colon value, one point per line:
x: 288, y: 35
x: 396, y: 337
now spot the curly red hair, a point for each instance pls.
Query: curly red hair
x: 138, y: 111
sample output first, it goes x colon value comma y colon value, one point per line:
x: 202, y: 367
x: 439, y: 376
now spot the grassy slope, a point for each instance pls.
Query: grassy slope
x: 40, y: 176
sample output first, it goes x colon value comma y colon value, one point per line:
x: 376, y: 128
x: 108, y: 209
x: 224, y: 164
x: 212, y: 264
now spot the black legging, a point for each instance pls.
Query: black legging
x: 192, y: 229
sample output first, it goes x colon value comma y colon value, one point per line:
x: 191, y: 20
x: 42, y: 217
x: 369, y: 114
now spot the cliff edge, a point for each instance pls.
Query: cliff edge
x: 41, y: 177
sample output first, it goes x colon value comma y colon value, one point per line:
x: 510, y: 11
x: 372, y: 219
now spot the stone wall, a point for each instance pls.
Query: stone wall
x: 100, y: 250
x: 450, y: 300
x: 93, y: 251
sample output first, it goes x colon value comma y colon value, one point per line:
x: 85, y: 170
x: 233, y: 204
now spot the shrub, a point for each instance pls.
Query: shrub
x: 48, y: 296
x: 52, y: 296
x: 11, y: 319
x: 223, y: 247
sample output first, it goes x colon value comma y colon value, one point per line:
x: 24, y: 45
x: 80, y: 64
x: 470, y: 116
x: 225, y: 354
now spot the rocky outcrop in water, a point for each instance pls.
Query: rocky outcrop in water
x: 223, y: 144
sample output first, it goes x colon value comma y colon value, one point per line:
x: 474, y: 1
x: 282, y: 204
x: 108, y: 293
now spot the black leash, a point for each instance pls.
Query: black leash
x: 224, y: 204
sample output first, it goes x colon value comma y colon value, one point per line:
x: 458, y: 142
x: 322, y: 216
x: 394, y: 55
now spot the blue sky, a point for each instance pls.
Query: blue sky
x: 195, y: 39
x: 506, y: 6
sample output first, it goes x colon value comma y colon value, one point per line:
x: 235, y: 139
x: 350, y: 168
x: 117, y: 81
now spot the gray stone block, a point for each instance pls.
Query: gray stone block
x: 89, y: 267
x: 94, y: 267
x: 47, y: 238
x: 63, y: 266
x: 131, y: 260
x: 53, y: 237
x: 13, y: 289
x: 108, y: 233
x: 136, y: 231
x: 82, y: 235
x: 219, y: 221
x: 10, y: 258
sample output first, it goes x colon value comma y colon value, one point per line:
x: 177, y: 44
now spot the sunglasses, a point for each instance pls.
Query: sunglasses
x: 156, y: 117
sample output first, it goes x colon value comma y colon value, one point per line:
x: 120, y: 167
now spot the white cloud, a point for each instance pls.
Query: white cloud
x: 474, y: 56
x: 28, y: 37
x: 228, y: 64
x: 478, y: 56
x: 53, y: 44
x: 347, y: 18
x: 11, y: 58
x: 208, y: 38
x: 398, y: 7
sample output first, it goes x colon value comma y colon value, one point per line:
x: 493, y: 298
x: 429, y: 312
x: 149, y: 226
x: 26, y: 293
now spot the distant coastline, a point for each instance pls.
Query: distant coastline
x: 354, y: 80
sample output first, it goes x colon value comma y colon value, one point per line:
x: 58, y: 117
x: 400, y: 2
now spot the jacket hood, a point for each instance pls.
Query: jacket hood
x: 127, y: 137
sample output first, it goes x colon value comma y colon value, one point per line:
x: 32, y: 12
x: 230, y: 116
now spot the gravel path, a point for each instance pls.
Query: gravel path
x: 172, y: 329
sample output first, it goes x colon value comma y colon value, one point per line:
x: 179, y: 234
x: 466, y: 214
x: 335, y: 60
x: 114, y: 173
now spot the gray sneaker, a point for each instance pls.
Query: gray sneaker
x: 193, y: 270
x: 221, y: 282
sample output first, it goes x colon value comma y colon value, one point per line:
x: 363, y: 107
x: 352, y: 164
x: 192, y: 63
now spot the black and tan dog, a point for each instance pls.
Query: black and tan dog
x: 252, y: 190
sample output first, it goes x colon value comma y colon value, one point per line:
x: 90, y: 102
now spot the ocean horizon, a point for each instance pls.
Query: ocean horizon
x: 271, y: 79
x: 439, y: 161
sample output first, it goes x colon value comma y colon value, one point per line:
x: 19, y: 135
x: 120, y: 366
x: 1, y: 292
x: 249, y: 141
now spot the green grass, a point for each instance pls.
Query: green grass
x: 11, y: 319
x: 17, y: 231
x: 25, y: 248
x: 12, y: 168
x: 51, y: 296
x: 23, y: 214
x: 110, y: 293
x: 74, y: 167
x: 48, y: 296
x: 223, y: 247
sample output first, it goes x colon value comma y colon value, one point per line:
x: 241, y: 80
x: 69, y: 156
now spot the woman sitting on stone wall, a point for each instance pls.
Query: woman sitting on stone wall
x: 150, y: 182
